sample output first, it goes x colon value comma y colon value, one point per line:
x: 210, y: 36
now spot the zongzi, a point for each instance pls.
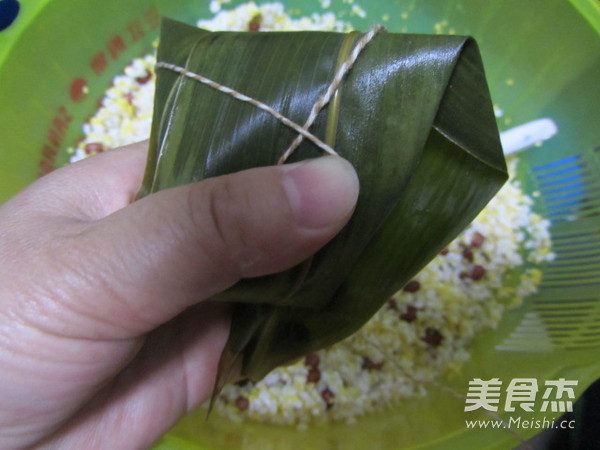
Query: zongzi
x: 413, y: 115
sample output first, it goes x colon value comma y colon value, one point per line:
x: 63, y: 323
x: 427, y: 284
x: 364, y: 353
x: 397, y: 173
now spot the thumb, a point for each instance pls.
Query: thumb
x: 185, y: 244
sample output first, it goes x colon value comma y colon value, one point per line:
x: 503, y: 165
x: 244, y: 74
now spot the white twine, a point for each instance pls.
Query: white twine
x: 333, y: 87
x: 316, y: 109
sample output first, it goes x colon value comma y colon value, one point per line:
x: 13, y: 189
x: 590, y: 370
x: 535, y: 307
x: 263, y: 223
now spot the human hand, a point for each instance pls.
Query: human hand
x: 105, y: 338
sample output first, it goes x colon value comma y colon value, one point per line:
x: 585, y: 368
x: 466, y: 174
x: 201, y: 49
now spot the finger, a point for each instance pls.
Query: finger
x: 172, y: 374
x: 89, y: 189
x: 179, y: 246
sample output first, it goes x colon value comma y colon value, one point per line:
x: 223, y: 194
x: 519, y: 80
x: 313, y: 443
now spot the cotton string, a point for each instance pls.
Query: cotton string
x: 334, y: 86
x: 316, y: 109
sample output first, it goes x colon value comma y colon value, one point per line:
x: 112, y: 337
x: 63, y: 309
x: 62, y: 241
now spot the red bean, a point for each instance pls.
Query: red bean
x: 242, y: 403
x: 327, y: 395
x: 93, y: 147
x: 477, y: 239
x: 314, y: 376
x: 410, y: 315
x: 255, y: 23
x: 312, y: 360
x: 145, y: 78
x: 433, y: 337
x: 477, y: 272
x: 369, y: 364
x: 468, y: 254
x: 412, y: 286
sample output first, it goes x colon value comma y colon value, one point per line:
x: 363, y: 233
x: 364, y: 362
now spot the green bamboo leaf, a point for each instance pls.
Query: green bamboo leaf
x: 413, y: 116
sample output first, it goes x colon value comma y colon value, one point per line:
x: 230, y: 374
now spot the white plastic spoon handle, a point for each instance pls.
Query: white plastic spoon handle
x: 524, y: 136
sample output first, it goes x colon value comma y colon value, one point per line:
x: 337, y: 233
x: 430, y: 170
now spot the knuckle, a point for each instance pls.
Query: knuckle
x: 223, y: 213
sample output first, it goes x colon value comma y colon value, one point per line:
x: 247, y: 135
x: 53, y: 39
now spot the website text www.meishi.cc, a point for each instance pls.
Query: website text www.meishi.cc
x: 521, y: 423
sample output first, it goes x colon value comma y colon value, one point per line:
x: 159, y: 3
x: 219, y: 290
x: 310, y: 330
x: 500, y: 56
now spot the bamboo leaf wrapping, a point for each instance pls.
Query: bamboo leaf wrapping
x: 413, y: 116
